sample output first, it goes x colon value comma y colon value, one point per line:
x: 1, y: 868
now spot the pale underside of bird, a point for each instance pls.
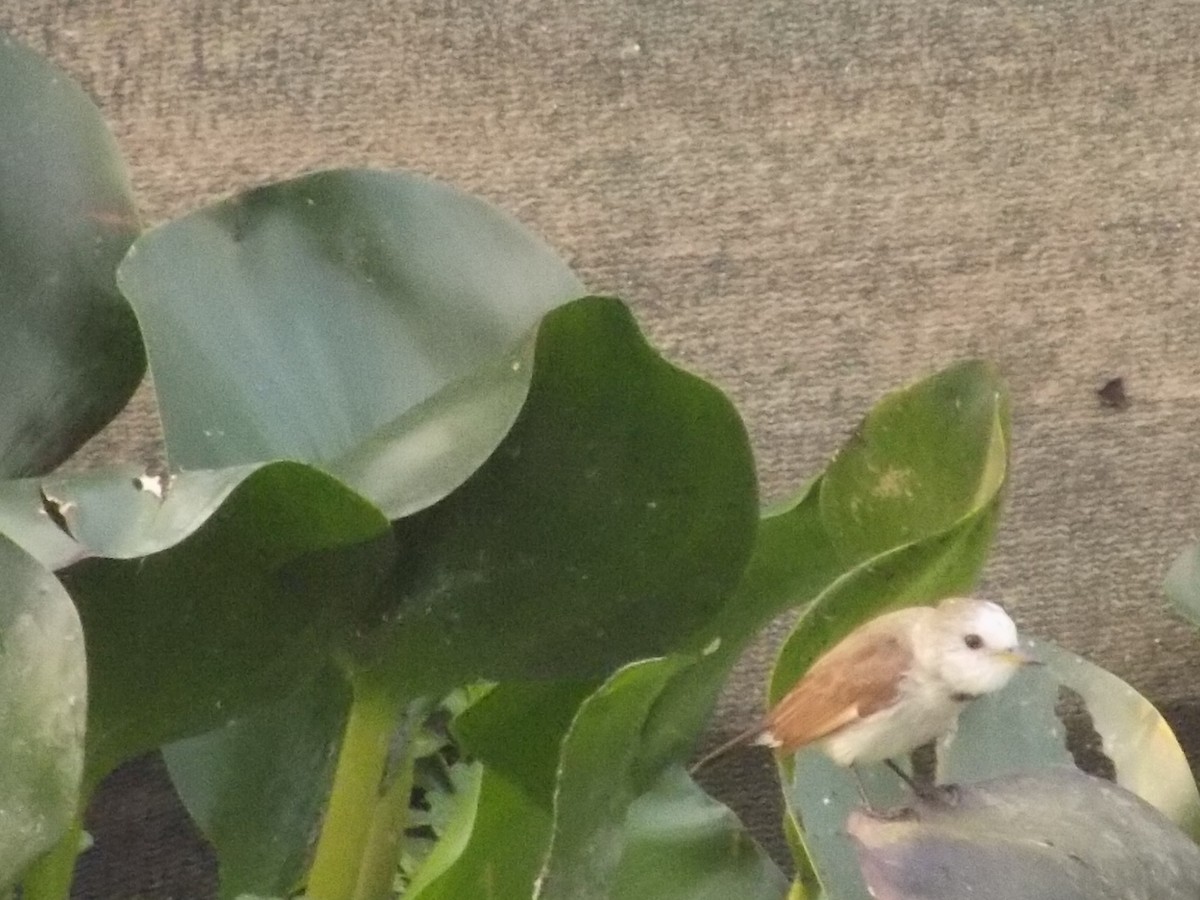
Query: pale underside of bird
x: 893, y: 684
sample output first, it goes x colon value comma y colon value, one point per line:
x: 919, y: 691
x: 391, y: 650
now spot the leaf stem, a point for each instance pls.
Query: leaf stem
x: 381, y: 858
x: 362, y: 762
x: 50, y: 877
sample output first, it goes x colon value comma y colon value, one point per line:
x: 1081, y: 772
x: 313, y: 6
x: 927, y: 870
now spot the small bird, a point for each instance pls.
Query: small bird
x: 893, y: 684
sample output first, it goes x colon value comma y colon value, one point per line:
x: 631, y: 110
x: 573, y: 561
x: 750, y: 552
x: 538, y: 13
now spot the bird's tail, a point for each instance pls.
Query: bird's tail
x: 750, y: 735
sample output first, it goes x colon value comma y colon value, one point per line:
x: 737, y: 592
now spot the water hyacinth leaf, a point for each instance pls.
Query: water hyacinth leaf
x: 795, y: 562
x: 680, y: 844
x: 599, y: 777
x: 1183, y: 584
x: 1144, y: 751
x: 296, y: 319
x: 1013, y: 730
x: 949, y: 433
x: 43, y: 703
x: 937, y: 567
x: 237, y: 585
x: 518, y: 729
x: 801, y: 548
x: 256, y: 786
x: 1016, y: 730
x: 791, y: 563
x: 610, y: 523
x: 1056, y: 833
x: 422, y: 455
x: 820, y: 796
x: 493, y: 848
x: 923, y: 458
x: 502, y: 830
x: 70, y: 352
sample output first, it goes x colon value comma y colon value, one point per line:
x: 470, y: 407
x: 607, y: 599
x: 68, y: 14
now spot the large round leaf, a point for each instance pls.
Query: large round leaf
x: 43, y: 702
x: 680, y: 844
x: 944, y: 441
x: 296, y: 319
x: 610, y: 523
x: 201, y: 596
x: 257, y: 785
x: 1055, y: 834
x: 922, y: 459
x: 70, y: 354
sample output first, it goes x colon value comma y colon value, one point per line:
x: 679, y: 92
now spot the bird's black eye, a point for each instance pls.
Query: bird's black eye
x: 973, y: 641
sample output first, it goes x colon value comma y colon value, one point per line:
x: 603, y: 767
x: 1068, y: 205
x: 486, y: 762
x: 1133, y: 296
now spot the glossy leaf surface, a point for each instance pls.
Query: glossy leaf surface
x: 297, y: 319
x: 1056, y: 833
x: 493, y: 849
x: 610, y: 523
x: 70, y: 353
x: 43, y: 703
x: 256, y: 786
x: 1015, y: 731
x: 680, y: 844
x: 1183, y: 584
x: 211, y: 599
x: 599, y: 777
x: 962, y: 413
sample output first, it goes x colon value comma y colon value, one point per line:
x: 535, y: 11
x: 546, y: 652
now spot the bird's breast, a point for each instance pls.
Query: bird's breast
x: 923, y: 711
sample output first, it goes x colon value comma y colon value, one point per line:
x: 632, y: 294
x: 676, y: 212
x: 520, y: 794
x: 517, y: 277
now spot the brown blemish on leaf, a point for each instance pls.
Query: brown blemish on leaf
x: 59, y: 511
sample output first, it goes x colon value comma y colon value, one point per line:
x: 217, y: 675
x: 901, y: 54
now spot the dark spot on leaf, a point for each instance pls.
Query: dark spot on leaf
x: 1112, y: 394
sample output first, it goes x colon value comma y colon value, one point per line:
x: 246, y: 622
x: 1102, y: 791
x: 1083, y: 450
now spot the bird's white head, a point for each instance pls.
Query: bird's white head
x: 972, y: 646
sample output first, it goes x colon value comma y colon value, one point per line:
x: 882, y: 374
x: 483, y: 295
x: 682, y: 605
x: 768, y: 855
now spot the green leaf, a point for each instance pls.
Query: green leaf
x: 792, y: 562
x: 950, y: 434
x: 70, y: 353
x: 1016, y: 730
x: 609, y: 524
x: 256, y: 786
x: 923, y: 460
x: 492, y: 850
x: 424, y: 454
x: 518, y: 729
x: 680, y: 844
x: 43, y: 702
x: 297, y: 319
x: 796, y: 560
x: 1057, y: 834
x: 598, y: 780
x: 211, y: 599
x: 1183, y: 584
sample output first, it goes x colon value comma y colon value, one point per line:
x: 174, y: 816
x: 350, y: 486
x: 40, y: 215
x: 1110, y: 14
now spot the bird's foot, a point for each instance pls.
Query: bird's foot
x: 940, y: 794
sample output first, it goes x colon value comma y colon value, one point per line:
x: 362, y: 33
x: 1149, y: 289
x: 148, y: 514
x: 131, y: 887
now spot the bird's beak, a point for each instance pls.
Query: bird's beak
x: 1019, y: 658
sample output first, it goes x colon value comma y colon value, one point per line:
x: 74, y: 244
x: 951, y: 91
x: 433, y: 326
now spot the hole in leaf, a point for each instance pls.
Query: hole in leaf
x: 1083, y: 741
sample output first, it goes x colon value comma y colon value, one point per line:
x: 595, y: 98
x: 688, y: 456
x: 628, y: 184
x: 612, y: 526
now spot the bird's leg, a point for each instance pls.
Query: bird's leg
x: 905, y: 777
x: 945, y: 794
x: 862, y: 790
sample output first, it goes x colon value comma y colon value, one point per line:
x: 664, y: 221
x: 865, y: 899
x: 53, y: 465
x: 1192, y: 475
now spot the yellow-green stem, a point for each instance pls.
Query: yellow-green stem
x: 374, y: 716
x: 50, y: 877
x: 386, y: 840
